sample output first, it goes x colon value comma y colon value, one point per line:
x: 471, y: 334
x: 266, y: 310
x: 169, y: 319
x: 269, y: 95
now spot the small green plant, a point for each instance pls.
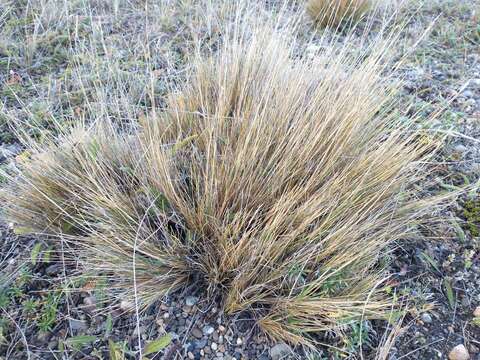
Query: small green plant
x: 48, y: 312
x: 357, y: 336
x: 30, y: 306
x: 4, y: 298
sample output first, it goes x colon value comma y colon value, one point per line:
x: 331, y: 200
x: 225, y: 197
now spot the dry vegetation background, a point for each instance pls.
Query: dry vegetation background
x: 173, y: 167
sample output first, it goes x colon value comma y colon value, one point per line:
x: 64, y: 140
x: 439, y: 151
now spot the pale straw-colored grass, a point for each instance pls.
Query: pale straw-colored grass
x: 274, y: 182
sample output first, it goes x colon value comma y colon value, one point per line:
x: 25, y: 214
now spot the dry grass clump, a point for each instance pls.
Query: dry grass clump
x: 275, y: 182
x: 333, y: 12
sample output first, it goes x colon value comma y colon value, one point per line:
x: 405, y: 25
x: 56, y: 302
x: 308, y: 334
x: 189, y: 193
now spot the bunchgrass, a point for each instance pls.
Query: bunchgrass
x: 276, y: 183
x: 333, y: 12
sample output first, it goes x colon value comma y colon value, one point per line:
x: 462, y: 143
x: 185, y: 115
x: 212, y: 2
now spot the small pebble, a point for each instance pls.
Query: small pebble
x: 460, y: 149
x: 126, y: 305
x: 196, y: 332
x: 191, y: 300
x: 470, y: 102
x: 239, y: 341
x: 476, y: 312
x: 208, y: 330
x: 426, y: 318
x: 190, y: 355
x: 280, y: 351
x: 77, y: 325
x: 459, y: 352
x: 200, y: 344
x: 214, y: 346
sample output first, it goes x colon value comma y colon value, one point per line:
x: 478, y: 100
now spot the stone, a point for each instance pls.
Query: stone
x: 476, y: 312
x: 280, y: 351
x: 460, y: 149
x: 190, y: 355
x: 200, y: 344
x: 208, y: 330
x: 196, y: 332
x: 126, y: 305
x: 470, y: 102
x: 239, y: 341
x: 475, y: 168
x: 77, y: 325
x: 459, y: 352
x: 191, y: 300
x: 44, y: 336
x: 468, y: 94
x: 426, y: 318
x: 53, y: 270
x: 214, y: 346
x: 90, y: 304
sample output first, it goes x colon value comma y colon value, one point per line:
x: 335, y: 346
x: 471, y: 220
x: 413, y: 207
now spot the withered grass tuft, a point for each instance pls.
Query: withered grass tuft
x: 276, y: 182
x: 333, y: 12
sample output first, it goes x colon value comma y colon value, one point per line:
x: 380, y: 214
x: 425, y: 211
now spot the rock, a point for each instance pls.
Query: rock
x: 460, y: 149
x: 459, y: 352
x: 468, y: 94
x: 470, y: 102
x: 44, y: 336
x: 190, y: 355
x: 208, y: 330
x: 200, y: 344
x: 475, y: 168
x: 280, y: 351
x: 214, y: 346
x: 426, y: 318
x: 476, y: 312
x: 239, y: 341
x: 77, y: 325
x: 90, y: 304
x: 196, y: 332
x: 53, y: 270
x: 191, y: 300
x: 126, y: 305
x: 221, y: 328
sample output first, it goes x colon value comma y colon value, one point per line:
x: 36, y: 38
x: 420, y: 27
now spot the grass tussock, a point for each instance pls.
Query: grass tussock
x: 276, y: 183
x: 332, y: 13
